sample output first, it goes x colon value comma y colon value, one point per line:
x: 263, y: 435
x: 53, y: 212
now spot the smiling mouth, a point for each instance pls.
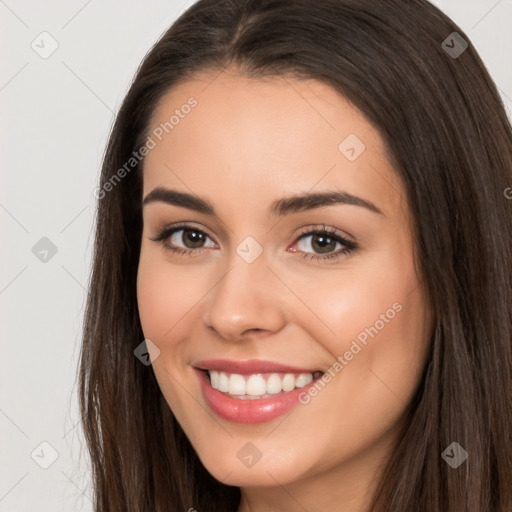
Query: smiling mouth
x: 252, y: 391
x: 258, y: 385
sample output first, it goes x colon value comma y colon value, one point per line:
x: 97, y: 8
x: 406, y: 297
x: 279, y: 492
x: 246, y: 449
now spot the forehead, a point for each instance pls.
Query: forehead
x: 260, y: 138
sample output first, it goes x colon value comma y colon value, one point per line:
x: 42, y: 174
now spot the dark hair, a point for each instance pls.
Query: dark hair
x: 450, y: 142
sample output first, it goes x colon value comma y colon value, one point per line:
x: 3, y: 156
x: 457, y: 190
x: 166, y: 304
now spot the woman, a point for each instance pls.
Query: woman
x: 301, y: 285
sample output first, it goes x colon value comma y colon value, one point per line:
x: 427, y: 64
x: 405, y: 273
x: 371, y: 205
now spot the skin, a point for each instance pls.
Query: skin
x: 247, y: 143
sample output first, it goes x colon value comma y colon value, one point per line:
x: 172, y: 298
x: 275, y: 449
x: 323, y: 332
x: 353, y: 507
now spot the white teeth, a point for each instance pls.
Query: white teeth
x: 274, y: 384
x: 303, y: 379
x: 257, y: 384
x: 223, y: 383
x: 288, y: 382
x: 236, y: 384
x: 214, y: 378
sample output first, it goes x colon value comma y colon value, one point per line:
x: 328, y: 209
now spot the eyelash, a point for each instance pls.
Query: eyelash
x: 350, y: 246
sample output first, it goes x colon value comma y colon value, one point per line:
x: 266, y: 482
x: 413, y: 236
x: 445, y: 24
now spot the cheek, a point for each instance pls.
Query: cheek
x: 377, y: 295
x: 156, y: 300
x: 375, y: 324
x: 379, y: 345
x: 165, y: 295
x: 353, y: 301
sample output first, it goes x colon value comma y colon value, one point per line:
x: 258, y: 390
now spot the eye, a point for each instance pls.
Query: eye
x: 184, y: 239
x: 187, y: 239
x: 323, y: 241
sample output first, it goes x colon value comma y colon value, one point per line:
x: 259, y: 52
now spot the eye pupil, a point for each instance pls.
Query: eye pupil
x: 194, y: 236
x: 324, y: 243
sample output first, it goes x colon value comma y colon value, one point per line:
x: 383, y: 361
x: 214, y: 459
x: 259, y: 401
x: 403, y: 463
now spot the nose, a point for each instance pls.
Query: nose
x: 247, y: 300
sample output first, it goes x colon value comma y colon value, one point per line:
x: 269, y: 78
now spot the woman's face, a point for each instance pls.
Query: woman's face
x: 264, y: 288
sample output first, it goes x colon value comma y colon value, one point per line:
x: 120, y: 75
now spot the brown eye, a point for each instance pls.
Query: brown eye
x: 321, y: 244
x: 184, y: 239
x: 191, y: 238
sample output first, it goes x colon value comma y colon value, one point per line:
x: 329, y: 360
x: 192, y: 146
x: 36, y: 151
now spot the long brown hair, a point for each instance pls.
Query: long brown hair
x: 450, y: 141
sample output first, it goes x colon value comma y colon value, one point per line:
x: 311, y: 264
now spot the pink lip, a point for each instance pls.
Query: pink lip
x: 249, y: 367
x: 249, y: 411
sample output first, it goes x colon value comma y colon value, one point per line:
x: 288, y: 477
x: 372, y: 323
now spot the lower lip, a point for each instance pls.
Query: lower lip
x: 249, y: 411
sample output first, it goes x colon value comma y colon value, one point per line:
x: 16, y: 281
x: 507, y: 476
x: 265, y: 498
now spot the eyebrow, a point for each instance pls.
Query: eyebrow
x: 280, y: 207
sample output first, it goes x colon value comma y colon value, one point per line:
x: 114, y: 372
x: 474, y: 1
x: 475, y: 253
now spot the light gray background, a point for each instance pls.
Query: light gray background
x: 56, y: 115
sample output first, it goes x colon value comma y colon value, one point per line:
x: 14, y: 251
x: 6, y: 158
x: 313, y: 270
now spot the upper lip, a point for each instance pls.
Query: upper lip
x: 250, y: 367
